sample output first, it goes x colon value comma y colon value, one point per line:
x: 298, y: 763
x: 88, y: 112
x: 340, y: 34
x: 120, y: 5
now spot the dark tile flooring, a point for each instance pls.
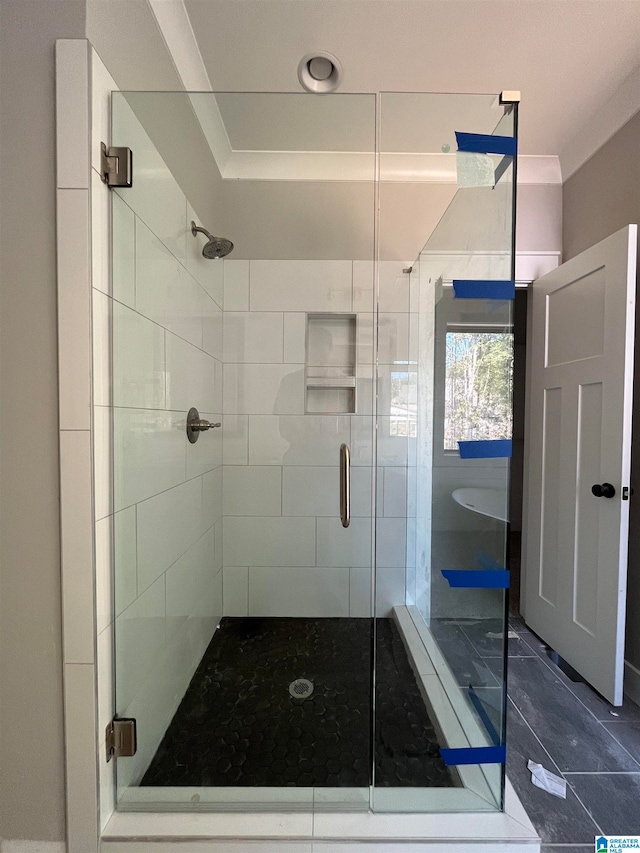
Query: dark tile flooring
x: 568, y: 728
x: 563, y: 725
x: 238, y: 724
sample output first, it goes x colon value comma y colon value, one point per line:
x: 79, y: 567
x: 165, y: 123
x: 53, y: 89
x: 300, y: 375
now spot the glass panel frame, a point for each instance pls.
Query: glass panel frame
x: 394, y: 376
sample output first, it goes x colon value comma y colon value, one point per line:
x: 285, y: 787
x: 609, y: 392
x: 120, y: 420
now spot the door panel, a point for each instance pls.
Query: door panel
x: 579, y: 435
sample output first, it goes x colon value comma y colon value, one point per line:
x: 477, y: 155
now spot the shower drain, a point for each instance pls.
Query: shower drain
x: 301, y: 688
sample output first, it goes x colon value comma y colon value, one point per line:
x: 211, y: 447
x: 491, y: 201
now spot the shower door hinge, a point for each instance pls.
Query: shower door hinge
x: 117, y: 166
x: 121, y: 739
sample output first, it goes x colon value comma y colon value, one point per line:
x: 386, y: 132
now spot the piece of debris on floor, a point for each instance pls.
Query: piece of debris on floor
x: 548, y: 781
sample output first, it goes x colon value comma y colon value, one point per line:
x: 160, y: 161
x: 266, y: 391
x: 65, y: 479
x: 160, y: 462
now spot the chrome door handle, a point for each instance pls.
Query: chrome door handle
x: 196, y: 425
x: 345, y: 485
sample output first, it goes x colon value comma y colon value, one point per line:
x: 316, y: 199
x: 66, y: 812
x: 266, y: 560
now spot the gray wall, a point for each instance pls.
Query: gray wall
x: 599, y: 199
x: 604, y: 194
x: 31, y: 738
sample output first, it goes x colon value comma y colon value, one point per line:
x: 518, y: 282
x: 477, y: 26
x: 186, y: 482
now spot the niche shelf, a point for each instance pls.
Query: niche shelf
x: 330, y: 366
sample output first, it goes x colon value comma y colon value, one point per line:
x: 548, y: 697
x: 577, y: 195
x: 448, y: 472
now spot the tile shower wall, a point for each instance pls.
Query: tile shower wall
x: 285, y: 551
x: 162, y: 505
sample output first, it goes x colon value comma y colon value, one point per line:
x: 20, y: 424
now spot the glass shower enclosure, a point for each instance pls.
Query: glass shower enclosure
x: 311, y: 410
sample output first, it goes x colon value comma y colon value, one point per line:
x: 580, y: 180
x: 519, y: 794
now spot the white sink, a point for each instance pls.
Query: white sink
x: 491, y: 502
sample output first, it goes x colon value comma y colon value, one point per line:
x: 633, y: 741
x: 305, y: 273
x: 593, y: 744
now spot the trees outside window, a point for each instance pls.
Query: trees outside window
x: 478, y: 385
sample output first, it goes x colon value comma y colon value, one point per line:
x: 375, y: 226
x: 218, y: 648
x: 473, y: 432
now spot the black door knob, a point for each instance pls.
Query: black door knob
x: 606, y: 490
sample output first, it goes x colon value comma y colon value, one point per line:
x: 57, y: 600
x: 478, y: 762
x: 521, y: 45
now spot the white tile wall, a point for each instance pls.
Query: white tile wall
x: 193, y: 605
x: 167, y: 525
x: 315, y: 491
x: 212, y: 328
x: 297, y: 440
x: 150, y: 453
x: 235, y: 584
x: 360, y: 591
x: 236, y: 285
x: 253, y: 337
x: 295, y: 330
x: 140, y: 630
x: 344, y: 546
x: 253, y: 490
x: 391, y: 538
x: 74, y: 309
x: 236, y: 439
x: 165, y: 291
x: 125, y: 561
x: 310, y: 491
x: 298, y: 591
x: 100, y: 216
x: 300, y: 286
x: 395, y: 491
x: 81, y: 776
x: 104, y: 580
x: 257, y: 541
x: 77, y: 545
x: 281, y: 466
x: 193, y: 377
x: 138, y: 360
x: 211, y: 497
x: 264, y: 389
x: 102, y: 306
x: 123, y: 268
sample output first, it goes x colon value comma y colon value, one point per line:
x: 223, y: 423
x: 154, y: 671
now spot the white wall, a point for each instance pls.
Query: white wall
x: 159, y: 515
x: 285, y: 551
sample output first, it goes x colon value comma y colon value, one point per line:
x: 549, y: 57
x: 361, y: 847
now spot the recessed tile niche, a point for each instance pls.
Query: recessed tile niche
x: 330, y: 367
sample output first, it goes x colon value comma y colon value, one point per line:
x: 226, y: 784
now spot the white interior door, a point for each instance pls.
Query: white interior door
x: 578, y: 437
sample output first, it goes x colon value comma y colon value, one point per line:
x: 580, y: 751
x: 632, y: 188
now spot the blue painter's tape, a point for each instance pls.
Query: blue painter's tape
x: 477, y: 578
x: 474, y: 755
x: 482, y: 713
x: 498, y: 449
x: 482, y: 143
x: 487, y: 562
x: 483, y: 289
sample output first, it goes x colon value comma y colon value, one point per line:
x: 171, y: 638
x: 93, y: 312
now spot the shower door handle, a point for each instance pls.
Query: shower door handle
x: 345, y: 485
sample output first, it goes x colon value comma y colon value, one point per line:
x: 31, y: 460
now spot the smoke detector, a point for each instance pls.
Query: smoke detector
x: 319, y: 72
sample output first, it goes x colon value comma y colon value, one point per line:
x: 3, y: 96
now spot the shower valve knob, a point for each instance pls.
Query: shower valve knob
x: 196, y: 425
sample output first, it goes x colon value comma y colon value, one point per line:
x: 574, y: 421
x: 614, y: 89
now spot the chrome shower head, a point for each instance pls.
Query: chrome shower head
x: 215, y: 247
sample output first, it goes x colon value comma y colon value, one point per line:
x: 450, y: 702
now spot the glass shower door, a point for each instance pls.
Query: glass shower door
x: 255, y: 387
x: 243, y: 600
x: 452, y: 399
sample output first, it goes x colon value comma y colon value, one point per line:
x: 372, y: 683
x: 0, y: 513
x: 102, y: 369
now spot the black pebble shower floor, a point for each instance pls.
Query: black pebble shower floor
x: 238, y: 724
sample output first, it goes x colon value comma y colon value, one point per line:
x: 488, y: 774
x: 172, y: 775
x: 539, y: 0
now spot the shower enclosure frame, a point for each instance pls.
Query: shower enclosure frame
x: 83, y: 91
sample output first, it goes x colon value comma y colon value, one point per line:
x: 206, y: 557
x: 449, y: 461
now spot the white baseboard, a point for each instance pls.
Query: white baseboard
x: 18, y: 846
x: 632, y: 681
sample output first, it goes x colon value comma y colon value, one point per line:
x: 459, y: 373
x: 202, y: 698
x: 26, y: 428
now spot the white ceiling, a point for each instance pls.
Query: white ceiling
x: 567, y: 57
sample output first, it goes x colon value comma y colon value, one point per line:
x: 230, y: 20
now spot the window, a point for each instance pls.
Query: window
x: 478, y: 385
